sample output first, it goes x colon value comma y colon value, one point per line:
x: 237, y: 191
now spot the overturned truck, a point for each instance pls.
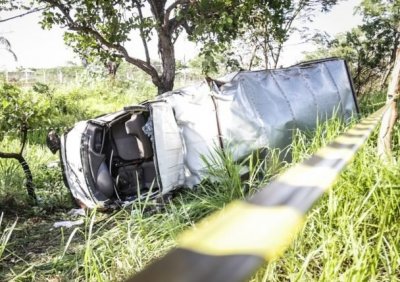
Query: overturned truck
x: 151, y: 149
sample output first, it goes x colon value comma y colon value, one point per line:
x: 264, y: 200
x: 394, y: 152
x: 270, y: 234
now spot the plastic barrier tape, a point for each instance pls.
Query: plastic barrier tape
x: 231, y: 244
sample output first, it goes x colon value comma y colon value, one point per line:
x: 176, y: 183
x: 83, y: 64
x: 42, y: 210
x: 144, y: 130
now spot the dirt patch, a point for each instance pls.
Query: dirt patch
x: 34, y: 243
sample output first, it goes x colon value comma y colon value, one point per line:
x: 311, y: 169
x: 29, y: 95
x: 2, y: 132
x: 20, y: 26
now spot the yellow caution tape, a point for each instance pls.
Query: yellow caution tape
x: 263, y: 226
x: 245, y: 228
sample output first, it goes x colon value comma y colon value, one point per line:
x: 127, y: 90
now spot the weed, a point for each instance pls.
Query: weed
x: 352, y: 234
x: 5, y: 235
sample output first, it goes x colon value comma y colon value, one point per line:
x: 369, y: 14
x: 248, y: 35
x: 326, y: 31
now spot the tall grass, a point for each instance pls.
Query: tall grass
x: 352, y: 234
x: 5, y: 234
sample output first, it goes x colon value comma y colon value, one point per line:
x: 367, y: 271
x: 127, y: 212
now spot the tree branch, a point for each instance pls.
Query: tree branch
x: 175, y: 22
x: 30, y: 187
x: 391, y: 115
x: 146, y: 48
x: 168, y: 11
x: 4, y: 155
x: 24, y: 132
x: 189, y: 29
x: 143, y: 65
x: 23, y: 14
x: 157, y: 8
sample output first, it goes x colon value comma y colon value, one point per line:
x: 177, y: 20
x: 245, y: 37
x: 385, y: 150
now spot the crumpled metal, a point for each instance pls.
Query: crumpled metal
x: 249, y: 110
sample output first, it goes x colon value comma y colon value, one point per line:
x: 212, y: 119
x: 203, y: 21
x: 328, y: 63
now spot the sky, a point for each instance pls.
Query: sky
x: 38, y: 48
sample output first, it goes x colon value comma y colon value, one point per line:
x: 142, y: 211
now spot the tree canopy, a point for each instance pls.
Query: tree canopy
x: 370, y: 48
x: 270, y: 26
x: 101, y: 28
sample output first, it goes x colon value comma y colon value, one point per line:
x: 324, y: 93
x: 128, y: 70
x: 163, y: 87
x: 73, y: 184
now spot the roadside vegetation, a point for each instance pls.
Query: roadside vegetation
x: 351, y: 234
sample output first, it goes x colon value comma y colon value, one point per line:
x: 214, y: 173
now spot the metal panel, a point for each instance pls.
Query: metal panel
x: 258, y: 109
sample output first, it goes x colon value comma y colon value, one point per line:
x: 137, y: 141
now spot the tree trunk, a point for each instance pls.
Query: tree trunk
x: 167, y: 53
x: 265, y: 50
x: 28, y: 174
x: 253, y: 55
x: 386, y: 76
x: 390, y: 117
x: 391, y: 62
x: 112, y: 68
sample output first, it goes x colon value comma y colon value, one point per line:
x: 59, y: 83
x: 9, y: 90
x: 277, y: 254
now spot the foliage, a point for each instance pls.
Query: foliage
x: 262, y: 30
x: 382, y: 27
x: 22, y: 108
x: 57, y: 109
x: 7, y: 5
x: 43, y: 106
x: 20, y: 111
x: 370, y: 48
x: 218, y: 64
x: 352, y: 233
x: 101, y: 29
x: 270, y: 32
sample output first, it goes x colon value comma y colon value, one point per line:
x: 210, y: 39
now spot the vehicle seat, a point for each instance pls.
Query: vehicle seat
x: 134, y: 128
x: 131, y: 145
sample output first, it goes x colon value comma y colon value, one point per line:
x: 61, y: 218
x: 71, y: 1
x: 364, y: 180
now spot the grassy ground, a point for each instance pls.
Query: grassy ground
x: 352, y: 234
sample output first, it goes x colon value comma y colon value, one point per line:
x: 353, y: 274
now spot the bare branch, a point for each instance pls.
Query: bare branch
x: 146, y: 48
x: 23, y: 14
x: 7, y: 47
